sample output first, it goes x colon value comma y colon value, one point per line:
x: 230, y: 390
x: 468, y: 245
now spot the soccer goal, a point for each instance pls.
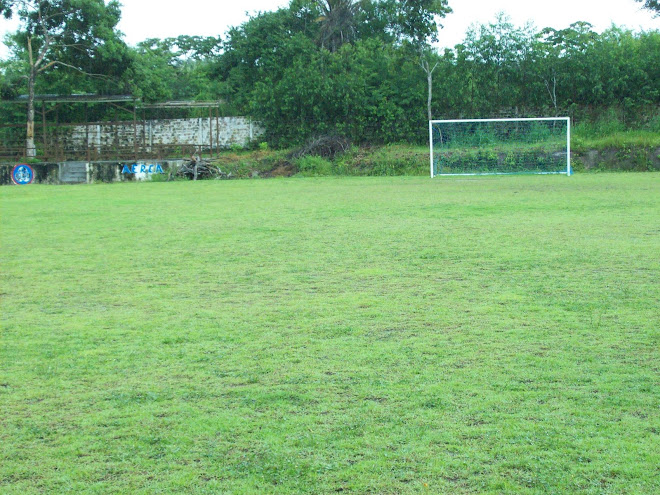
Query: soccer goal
x: 500, y: 146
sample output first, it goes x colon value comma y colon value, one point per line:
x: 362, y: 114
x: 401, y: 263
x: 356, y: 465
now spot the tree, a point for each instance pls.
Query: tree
x: 368, y: 91
x: 495, y: 55
x: 426, y: 67
x: 6, y: 7
x: 66, y: 35
x: 560, y: 57
x: 175, y: 68
x: 653, y: 5
x: 415, y: 20
x: 338, y: 22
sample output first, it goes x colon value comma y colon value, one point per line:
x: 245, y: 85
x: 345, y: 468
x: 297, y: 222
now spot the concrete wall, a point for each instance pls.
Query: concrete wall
x: 91, y: 172
x: 204, y: 132
x: 44, y: 173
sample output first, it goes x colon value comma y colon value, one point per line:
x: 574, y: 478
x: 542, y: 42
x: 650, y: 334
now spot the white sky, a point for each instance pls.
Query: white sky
x: 143, y: 19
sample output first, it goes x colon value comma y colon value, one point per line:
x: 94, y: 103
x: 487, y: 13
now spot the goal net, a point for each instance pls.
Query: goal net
x: 500, y: 146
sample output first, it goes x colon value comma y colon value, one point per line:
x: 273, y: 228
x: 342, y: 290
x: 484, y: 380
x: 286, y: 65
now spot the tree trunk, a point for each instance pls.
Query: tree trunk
x: 552, y: 91
x: 429, y: 78
x: 30, y: 148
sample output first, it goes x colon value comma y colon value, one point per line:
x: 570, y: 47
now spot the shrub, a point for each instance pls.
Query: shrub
x: 314, y: 165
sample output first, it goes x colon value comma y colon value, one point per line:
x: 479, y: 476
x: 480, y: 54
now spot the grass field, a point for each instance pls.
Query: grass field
x: 332, y: 335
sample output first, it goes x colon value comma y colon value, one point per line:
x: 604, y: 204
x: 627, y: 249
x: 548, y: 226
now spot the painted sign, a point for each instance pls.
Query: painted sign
x: 22, y: 174
x: 142, y: 168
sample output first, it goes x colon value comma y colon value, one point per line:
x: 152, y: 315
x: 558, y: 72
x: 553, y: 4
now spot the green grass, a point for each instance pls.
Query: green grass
x: 617, y: 140
x: 337, y: 335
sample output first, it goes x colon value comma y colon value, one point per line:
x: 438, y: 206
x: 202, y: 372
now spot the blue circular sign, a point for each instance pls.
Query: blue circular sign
x: 22, y: 174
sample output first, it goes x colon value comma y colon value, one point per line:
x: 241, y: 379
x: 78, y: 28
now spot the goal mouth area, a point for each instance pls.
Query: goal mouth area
x: 527, y: 146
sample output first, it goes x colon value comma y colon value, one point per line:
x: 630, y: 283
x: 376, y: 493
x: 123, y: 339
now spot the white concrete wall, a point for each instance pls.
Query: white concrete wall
x: 223, y: 132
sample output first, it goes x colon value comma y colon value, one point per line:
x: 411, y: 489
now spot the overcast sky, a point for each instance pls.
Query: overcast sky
x: 143, y: 19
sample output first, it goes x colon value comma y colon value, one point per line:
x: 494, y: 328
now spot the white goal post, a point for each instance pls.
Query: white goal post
x: 500, y: 146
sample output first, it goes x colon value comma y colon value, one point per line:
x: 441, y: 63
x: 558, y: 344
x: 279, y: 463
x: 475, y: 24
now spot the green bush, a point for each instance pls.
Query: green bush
x: 314, y: 165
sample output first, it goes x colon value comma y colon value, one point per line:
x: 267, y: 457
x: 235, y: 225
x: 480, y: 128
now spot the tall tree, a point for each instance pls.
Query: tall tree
x: 175, y: 68
x: 425, y: 61
x: 416, y: 20
x: 338, y: 22
x: 65, y: 35
x: 413, y: 21
x: 496, y: 54
x: 559, y: 57
x: 653, y: 5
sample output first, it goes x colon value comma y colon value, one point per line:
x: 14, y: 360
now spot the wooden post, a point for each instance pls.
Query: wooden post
x: 43, y: 126
x: 211, y: 131
x: 57, y: 125
x: 144, y: 133
x: 87, y: 133
x: 135, y: 145
x: 30, y: 148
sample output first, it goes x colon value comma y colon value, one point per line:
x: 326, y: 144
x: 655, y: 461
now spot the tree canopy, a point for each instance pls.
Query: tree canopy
x: 653, y: 5
x: 72, y: 37
x: 76, y: 34
x: 371, y: 86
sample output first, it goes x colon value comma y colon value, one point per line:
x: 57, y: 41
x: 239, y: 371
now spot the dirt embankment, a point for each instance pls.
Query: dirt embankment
x: 408, y: 160
x: 622, y: 159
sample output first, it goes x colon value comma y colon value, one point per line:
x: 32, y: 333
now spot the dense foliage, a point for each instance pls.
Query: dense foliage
x: 356, y: 68
x: 374, y: 89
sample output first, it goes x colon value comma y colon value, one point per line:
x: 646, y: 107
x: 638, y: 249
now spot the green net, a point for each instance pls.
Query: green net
x: 506, y: 146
